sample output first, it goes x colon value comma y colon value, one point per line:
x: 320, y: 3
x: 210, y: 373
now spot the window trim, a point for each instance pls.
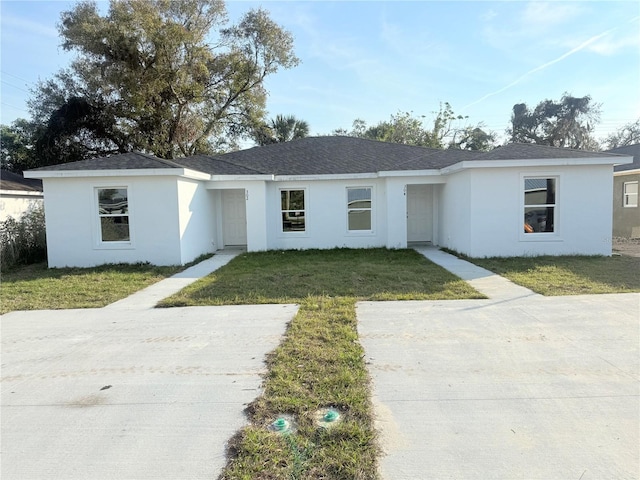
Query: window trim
x: 117, y: 244
x: 371, y: 231
x: 540, y: 236
x: 627, y: 196
x: 281, y: 211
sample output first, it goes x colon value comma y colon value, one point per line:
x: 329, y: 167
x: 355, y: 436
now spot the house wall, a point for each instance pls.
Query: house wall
x: 626, y: 220
x: 496, y: 212
x: 454, y: 214
x: 15, y: 204
x: 326, y: 215
x: 73, y: 224
x: 197, y: 219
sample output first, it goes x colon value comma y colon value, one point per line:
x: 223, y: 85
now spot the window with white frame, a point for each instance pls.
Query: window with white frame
x: 113, y: 214
x: 630, y: 194
x: 293, y: 210
x: 540, y: 207
x: 359, y: 209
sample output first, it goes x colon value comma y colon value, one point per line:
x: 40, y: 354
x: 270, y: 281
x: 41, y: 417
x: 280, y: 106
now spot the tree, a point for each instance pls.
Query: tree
x: 16, y: 146
x: 629, y: 134
x: 280, y: 129
x: 410, y: 130
x: 160, y: 76
x: 564, y: 123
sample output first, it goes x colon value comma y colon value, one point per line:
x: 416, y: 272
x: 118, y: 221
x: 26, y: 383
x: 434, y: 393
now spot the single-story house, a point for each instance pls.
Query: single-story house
x: 325, y: 192
x: 626, y: 209
x: 18, y: 195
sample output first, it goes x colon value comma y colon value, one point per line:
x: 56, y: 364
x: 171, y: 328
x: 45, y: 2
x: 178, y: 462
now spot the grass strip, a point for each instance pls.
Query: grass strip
x: 568, y: 275
x: 36, y: 287
x: 319, y: 364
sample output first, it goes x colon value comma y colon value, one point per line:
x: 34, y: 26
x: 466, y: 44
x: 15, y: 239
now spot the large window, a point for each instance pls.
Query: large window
x: 540, y: 206
x: 359, y: 208
x: 113, y: 213
x: 630, y: 194
x: 293, y: 211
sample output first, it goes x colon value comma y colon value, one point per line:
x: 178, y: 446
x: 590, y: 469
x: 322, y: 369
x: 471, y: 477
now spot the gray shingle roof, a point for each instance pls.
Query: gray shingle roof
x: 15, y: 181
x: 326, y: 156
x: 123, y: 161
x: 632, y: 150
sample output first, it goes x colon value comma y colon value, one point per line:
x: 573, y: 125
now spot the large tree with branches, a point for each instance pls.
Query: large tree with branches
x: 166, y: 77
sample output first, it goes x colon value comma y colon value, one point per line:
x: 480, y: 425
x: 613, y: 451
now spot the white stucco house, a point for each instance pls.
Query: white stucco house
x: 18, y: 195
x: 325, y: 192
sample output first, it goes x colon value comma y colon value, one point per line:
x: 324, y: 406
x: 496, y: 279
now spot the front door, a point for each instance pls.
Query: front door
x: 419, y: 213
x: 234, y: 217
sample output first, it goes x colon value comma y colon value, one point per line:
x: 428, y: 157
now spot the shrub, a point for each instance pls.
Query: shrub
x: 23, y: 241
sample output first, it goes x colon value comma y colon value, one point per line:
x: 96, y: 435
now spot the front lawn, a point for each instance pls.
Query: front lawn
x: 293, y: 275
x: 568, y: 275
x: 35, y: 287
x: 320, y: 362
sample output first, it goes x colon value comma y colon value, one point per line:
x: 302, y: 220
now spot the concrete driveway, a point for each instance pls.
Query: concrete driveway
x: 130, y: 393
x: 524, y: 388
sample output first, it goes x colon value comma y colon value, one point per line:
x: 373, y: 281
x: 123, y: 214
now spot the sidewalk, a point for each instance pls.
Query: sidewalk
x: 150, y: 296
x: 490, y: 284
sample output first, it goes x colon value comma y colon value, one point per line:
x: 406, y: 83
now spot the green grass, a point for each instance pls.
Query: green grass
x: 568, y: 275
x: 35, y: 287
x: 320, y: 361
x: 293, y: 275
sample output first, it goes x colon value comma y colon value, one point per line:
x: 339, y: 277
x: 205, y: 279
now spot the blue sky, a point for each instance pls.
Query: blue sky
x: 371, y: 59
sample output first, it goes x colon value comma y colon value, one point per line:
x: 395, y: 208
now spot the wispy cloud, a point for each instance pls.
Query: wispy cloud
x: 13, y: 22
x: 580, y: 47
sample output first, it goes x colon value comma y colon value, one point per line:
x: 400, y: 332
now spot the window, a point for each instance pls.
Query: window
x: 113, y: 212
x: 539, y: 205
x: 293, y: 212
x: 630, y: 194
x: 359, y: 208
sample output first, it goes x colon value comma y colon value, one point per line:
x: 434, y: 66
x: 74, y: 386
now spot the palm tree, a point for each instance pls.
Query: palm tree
x: 281, y: 129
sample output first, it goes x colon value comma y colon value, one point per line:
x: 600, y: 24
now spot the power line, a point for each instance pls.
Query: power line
x: 15, y: 76
x: 14, y: 86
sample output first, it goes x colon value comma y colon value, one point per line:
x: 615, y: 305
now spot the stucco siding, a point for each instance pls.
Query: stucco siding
x: 326, y: 215
x: 73, y: 235
x: 454, y: 214
x: 582, y: 214
x: 197, y: 219
x: 626, y: 220
x: 15, y: 204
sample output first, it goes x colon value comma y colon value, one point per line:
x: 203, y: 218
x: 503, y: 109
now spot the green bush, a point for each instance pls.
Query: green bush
x: 23, y: 241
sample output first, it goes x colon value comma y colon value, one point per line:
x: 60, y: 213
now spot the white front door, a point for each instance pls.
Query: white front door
x: 234, y: 217
x: 419, y: 213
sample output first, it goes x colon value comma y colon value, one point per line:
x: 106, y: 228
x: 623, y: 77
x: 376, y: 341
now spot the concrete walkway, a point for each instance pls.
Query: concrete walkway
x: 494, y: 286
x: 150, y: 296
x: 519, y: 386
x: 129, y: 391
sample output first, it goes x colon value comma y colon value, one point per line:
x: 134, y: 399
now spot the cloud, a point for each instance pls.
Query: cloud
x: 23, y: 24
x: 544, y: 15
x: 574, y: 50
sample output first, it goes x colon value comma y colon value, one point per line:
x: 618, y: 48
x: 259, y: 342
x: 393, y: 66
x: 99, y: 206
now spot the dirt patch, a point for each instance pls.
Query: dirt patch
x: 627, y: 246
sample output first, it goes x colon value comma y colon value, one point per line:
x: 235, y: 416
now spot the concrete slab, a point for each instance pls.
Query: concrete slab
x: 535, y: 388
x: 141, y: 394
x: 150, y: 296
x: 493, y: 286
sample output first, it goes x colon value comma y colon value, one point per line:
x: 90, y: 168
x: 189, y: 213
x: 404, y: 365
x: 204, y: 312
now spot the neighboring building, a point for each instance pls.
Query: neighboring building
x: 326, y: 192
x: 626, y: 206
x: 18, y: 195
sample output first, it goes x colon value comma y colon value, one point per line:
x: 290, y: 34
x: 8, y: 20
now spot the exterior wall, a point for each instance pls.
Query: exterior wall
x: 454, y: 214
x: 626, y: 220
x: 197, y: 219
x: 15, y: 204
x: 583, y: 213
x: 73, y: 224
x: 326, y: 216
